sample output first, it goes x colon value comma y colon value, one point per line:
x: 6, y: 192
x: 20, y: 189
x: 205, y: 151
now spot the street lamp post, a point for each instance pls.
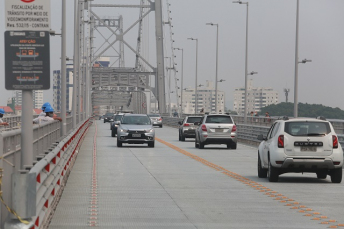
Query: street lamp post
x: 217, y: 62
x: 196, y: 96
x: 297, y: 62
x: 169, y: 85
x: 245, y: 97
x: 63, y: 71
x: 182, y: 78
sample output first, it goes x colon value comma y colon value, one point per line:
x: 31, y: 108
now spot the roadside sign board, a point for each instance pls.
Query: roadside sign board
x: 27, y: 60
x: 27, y: 15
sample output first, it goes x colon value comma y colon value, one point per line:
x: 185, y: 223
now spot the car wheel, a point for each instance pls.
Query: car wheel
x: 161, y: 126
x: 113, y: 133
x: 119, y: 143
x: 336, y: 175
x: 150, y: 144
x: 322, y: 174
x: 234, y: 145
x: 262, y: 173
x: 201, y: 145
x: 272, y: 173
x: 196, y: 144
x: 179, y: 136
x: 182, y: 138
x: 104, y: 121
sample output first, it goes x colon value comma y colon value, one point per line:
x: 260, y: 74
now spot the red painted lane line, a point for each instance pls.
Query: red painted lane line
x: 93, y: 221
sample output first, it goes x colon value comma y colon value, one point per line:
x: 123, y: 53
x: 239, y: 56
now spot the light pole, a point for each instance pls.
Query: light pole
x: 217, y: 61
x: 182, y: 78
x: 63, y: 71
x: 297, y: 62
x: 245, y: 104
x: 196, y: 96
x: 169, y: 85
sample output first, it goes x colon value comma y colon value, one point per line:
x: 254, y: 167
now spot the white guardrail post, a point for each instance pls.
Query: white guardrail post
x: 36, y: 191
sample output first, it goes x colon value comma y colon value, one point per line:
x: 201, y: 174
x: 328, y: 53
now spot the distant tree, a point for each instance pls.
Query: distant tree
x: 305, y: 110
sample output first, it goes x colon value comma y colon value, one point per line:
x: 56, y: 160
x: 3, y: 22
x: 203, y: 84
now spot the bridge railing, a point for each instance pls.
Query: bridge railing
x: 45, y: 139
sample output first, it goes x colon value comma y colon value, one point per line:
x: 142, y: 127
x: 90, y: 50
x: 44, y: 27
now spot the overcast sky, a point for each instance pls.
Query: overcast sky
x: 271, y: 53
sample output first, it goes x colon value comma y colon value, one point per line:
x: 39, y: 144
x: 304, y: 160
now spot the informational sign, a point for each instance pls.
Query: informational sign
x: 27, y: 60
x: 27, y: 15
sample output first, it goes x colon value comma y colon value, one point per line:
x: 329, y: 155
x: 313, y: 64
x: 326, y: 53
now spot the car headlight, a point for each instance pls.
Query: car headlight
x: 125, y: 131
x: 116, y: 125
x: 149, y: 131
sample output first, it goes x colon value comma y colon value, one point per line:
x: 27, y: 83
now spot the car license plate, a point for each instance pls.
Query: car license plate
x: 218, y: 130
x: 308, y: 148
x: 136, y: 135
x: 155, y: 122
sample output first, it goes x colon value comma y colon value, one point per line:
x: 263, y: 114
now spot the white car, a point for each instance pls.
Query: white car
x: 300, y: 145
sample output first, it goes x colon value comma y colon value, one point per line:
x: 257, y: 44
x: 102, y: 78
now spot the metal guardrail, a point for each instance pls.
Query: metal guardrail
x: 15, y: 122
x: 48, y: 175
x: 10, y: 150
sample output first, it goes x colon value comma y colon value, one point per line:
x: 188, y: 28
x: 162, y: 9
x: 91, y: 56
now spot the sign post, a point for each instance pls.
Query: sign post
x: 27, y: 59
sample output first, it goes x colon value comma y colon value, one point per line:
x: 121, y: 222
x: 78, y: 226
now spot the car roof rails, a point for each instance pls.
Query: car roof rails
x: 283, y: 118
x: 321, y: 118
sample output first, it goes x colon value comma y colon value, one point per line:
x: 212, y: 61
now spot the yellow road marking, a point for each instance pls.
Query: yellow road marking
x: 253, y: 184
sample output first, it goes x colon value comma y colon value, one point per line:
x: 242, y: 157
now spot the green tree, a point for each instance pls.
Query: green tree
x: 305, y: 110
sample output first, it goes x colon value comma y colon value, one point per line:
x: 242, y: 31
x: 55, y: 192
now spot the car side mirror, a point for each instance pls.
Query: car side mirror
x: 261, y: 137
x: 180, y: 123
x: 196, y: 123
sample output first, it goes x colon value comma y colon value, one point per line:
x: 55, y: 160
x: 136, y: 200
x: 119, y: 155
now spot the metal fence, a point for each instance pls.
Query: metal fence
x: 45, y: 139
x: 14, y: 122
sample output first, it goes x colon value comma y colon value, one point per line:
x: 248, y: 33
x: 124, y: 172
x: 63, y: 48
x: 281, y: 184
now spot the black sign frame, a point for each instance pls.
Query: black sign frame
x: 27, y: 60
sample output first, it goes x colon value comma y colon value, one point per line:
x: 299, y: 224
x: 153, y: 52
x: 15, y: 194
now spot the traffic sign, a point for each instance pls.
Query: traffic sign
x: 27, y: 15
x: 27, y: 60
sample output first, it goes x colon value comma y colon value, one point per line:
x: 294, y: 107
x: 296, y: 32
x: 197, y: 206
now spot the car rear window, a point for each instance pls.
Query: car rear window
x: 193, y: 119
x: 219, y: 119
x: 118, y: 117
x: 307, y: 128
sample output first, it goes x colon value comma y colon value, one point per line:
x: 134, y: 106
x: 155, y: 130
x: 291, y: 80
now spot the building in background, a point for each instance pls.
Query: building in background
x: 206, y: 99
x: 57, y: 88
x: 257, y: 98
x: 37, y: 98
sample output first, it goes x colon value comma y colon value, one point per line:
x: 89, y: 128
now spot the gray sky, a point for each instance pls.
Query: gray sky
x: 271, y: 44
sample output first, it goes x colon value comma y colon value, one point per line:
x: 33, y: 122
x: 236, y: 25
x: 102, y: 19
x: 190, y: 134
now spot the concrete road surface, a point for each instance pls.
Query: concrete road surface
x: 175, y: 185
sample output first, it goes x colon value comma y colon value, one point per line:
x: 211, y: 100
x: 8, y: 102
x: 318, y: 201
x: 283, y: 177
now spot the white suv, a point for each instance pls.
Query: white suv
x: 300, y: 145
x: 216, y: 129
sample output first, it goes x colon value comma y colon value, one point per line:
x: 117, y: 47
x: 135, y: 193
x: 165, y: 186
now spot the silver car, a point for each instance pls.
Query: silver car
x: 187, y: 127
x: 216, y: 129
x: 156, y: 119
x: 135, y: 129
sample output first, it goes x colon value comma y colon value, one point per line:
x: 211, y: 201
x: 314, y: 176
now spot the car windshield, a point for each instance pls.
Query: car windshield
x: 136, y: 120
x: 193, y: 119
x: 154, y: 115
x: 118, y: 117
x: 219, y: 119
x: 307, y: 128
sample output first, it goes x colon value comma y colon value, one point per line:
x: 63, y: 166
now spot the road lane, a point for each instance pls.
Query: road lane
x: 320, y: 195
x: 142, y: 187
